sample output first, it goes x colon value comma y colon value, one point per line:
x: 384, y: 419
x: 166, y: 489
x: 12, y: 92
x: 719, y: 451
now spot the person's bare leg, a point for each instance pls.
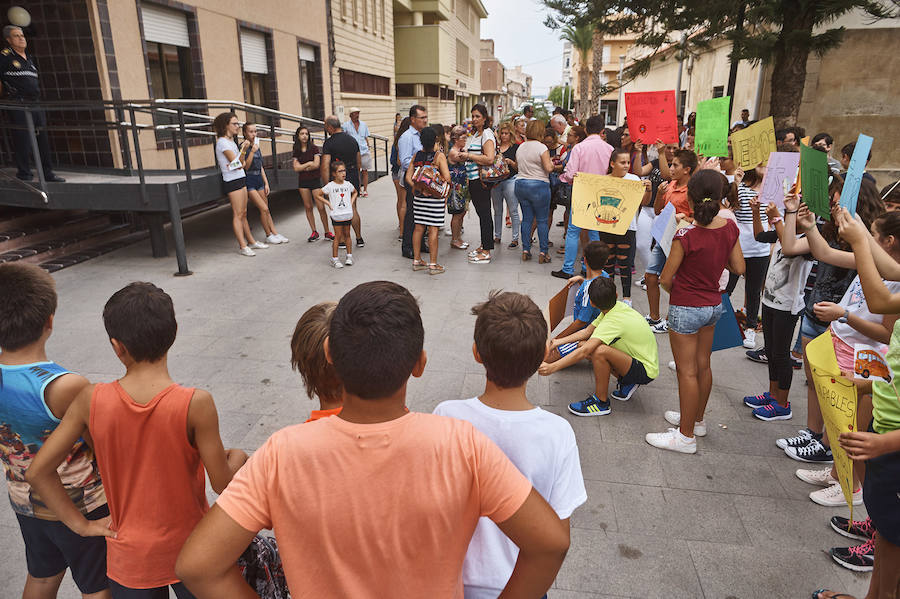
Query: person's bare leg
x: 238, y: 201
x: 42, y: 588
x: 265, y: 215
x: 433, y: 234
x: 684, y: 349
x: 306, y: 197
x: 814, y: 420
x: 364, y: 176
x: 704, y: 371
x: 417, y: 235
x: 652, y: 282
x: 608, y: 360
x: 401, y: 202
x: 456, y: 222
x: 356, y: 223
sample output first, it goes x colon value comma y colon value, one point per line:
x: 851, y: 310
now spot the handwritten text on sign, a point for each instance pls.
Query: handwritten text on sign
x: 752, y: 146
x: 853, y: 178
x: 782, y: 169
x: 652, y: 116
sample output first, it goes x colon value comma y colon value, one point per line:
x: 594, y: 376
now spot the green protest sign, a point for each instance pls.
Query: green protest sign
x: 711, y: 127
x: 814, y: 180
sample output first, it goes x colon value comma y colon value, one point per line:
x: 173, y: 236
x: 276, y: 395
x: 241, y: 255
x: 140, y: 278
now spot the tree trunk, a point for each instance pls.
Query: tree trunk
x: 584, y: 102
x: 789, y: 67
x: 597, y: 55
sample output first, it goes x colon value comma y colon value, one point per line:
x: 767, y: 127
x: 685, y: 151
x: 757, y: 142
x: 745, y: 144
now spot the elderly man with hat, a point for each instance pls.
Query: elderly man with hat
x: 359, y: 131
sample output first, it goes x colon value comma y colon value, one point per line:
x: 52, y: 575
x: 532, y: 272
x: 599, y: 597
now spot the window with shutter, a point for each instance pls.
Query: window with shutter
x: 165, y: 26
x: 253, y: 52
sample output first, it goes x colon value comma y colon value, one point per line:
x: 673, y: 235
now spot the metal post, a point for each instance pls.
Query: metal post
x: 374, y: 158
x: 157, y: 234
x: 732, y: 73
x: 145, y: 199
x: 175, y: 149
x: 123, y: 138
x: 187, y: 157
x: 177, y: 231
x: 681, y: 53
x: 274, y: 148
x: 35, y: 150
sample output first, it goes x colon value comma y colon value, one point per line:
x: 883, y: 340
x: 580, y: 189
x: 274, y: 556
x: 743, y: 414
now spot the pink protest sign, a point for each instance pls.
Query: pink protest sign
x: 652, y: 116
x: 781, y: 173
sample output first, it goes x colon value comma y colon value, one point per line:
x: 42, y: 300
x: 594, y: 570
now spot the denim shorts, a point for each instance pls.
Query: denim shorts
x: 810, y: 329
x: 688, y: 320
x: 657, y: 260
x: 255, y: 181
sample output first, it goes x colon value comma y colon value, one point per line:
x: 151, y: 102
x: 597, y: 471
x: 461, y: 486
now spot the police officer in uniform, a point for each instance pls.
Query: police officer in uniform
x: 19, y: 83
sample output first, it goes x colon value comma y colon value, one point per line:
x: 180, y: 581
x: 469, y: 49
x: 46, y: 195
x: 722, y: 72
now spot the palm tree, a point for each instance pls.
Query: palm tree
x: 597, y: 53
x: 581, y: 38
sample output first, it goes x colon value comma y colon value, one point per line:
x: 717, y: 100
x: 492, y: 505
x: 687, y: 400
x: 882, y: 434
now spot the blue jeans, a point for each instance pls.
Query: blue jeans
x: 573, y: 233
x: 505, y: 190
x: 534, y: 199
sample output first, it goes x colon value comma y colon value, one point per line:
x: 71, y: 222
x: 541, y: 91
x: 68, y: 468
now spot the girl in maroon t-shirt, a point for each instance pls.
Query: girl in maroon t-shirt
x: 691, y: 276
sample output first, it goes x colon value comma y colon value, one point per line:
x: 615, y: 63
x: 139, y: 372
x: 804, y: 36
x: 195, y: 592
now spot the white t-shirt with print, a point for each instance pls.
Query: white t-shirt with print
x: 854, y: 301
x: 542, y: 446
x: 785, y: 280
x: 475, y: 145
x: 231, y: 169
x: 340, y: 196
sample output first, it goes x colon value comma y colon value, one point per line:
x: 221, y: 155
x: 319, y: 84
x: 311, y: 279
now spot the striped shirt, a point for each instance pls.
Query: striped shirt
x: 744, y: 215
x: 474, y: 145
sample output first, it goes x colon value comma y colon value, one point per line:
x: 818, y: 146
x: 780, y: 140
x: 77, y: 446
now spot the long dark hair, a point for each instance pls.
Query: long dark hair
x: 310, y: 145
x: 705, y: 192
x: 484, y: 112
x: 404, y: 125
x: 869, y: 207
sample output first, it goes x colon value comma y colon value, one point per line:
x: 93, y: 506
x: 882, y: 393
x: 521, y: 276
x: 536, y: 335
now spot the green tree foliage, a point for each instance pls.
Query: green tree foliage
x: 580, y: 34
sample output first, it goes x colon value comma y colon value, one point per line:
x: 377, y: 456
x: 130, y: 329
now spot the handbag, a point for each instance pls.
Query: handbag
x: 427, y: 181
x: 495, y: 172
x: 261, y: 567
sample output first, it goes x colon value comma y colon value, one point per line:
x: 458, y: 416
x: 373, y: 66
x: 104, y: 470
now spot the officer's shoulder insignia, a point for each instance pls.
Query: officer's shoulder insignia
x: 6, y: 52
x: 16, y: 64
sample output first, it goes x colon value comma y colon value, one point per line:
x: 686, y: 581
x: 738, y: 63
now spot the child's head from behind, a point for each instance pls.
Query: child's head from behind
x: 140, y: 317
x: 602, y: 293
x: 27, y: 302
x: 510, y: 337
x: 308, y: 353
x: 375, y: 339
x: 596, y: 253
x: 705, y: 192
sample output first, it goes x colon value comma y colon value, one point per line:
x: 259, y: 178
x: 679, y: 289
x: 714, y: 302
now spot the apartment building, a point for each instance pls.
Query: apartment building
x: 493, y: 82
x: 437, y: 56
x: 614, y: 47
x: 518, y: 86
x: 363, y: 66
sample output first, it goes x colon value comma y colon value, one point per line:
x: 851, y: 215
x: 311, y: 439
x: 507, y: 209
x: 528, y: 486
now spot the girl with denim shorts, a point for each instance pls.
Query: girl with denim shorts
x: 258, y: 184
x: 691, y: 276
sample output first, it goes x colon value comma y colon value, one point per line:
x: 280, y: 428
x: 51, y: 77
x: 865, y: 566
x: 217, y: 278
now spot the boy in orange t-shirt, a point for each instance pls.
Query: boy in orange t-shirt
x: 308, y: 358
x: 376, y: 501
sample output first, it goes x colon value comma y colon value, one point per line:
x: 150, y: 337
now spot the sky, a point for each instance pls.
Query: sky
x: 520, y: 38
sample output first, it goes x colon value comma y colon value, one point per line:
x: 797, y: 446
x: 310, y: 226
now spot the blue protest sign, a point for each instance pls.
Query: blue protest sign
x: 853, y: 178
x: 727, y: 333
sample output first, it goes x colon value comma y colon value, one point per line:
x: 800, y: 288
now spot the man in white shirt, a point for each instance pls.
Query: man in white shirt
x: 359, y: 131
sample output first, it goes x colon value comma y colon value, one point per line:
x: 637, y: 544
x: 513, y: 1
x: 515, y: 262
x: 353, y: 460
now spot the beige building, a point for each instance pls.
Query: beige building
x: 518, y: 87
x: 493, y: 82
x: 614, y: 46
x: 363, y: 68
x: 843, y: 95
x: 437, y: 56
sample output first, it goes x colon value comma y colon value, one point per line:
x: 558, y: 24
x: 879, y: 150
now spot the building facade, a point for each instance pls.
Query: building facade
x: 614, y: 47
x: 437, y: 56
x: 493, y: 82
x: 518, y: 86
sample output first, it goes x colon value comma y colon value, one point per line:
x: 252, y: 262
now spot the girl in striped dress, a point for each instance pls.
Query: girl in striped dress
x: 427, y: 211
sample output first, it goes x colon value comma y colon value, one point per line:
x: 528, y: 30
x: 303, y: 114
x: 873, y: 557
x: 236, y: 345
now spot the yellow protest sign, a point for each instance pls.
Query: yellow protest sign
x: 605, y: 203
x: 752, y: 145
x: 837, y: 399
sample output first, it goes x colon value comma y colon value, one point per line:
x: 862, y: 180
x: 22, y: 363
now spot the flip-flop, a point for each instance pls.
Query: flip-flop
x: 816, y: 594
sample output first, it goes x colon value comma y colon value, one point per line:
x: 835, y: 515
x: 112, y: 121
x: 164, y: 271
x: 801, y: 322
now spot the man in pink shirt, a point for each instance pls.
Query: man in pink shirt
x: 376, y: 501
x: 589, y: 156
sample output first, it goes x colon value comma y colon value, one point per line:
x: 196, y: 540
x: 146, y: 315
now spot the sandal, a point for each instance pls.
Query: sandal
x: 561, y: 251
x: 526, y: 256
x: 514, y: 244
x: 419, y: 265
x: 543, y: 258
x: 816, y: 594
x: 480, y: 258
x: 549, y: 244
x: 475, y: 252
x: 435, y: 269
x: 459, y: 245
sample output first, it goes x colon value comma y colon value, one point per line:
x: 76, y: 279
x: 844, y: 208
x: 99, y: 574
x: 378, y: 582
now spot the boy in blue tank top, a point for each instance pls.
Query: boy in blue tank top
x: 34, y: 395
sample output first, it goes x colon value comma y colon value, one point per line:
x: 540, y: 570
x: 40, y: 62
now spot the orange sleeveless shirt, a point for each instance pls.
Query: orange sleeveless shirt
x: 154, y: 479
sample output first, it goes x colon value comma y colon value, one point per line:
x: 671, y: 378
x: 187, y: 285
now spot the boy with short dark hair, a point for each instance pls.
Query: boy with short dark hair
x: 847, y: 154
x: 596, y: 253
x: 619, y: 342
x: 308, y: 358
x: 35, y: 394
x: 510, y: 334
x: 152, y: 438
x: 382, y: 501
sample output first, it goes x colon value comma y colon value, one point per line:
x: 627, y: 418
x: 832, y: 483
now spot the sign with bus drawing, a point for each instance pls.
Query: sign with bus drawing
x: 605, y: 203
x: 870, y: 364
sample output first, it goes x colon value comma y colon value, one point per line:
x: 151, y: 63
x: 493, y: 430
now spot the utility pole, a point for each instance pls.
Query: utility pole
x: 681, y: 53
x: 732, y: 74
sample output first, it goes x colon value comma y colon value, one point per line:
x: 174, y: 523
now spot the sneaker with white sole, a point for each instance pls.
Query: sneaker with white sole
x: 801, y: 439
x: 246, y: 251
x: 674, y: 418
x: 592, y: 406
x: 273, y: 239
x: 349, y: 260
x: 821, y: 478
x: 282, y: 238
x: 671, y: 440
x: 833, y: 496
x: 860, y: 558
x: 627, y: 301
x: 774, y: 411
x: 623, y: 392
x: 336, y: 263
x: 672, y: 366
x: 750, y: 338
x: 758, y: 401
x: 815, y: 452
x: 258, y: 245
x: 861, y: 530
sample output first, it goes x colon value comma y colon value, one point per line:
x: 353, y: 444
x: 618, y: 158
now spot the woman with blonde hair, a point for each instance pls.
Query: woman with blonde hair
x: 506, y: 189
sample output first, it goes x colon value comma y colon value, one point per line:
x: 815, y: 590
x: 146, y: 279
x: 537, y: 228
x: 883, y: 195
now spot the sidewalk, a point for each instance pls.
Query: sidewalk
x: 730, y: 522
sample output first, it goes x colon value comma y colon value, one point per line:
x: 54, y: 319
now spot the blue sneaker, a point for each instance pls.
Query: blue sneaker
x: 773, y: 411
x: 624, y: 392
x: 592, y: 406
x: 758, y: 401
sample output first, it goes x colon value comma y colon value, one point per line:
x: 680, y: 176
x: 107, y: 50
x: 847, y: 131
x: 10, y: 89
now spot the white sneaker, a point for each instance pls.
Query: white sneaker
x: 282, y: 238
x: 833, y: 496
x: 660, y: 327
x: 672, y: 365
x: 674, y: 418
x: 273, y: 239
x: 671, y: 440
x: 336, y: 263
x: 750, y: 339
x: 246, y: 251
x: 258, y: 245
x: 627, y: 301
x: 821, y: 478
x: 349, y: 260
x: 447, y: 231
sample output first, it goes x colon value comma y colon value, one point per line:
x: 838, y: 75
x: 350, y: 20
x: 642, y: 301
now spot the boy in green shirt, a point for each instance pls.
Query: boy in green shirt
x: 618, y: 342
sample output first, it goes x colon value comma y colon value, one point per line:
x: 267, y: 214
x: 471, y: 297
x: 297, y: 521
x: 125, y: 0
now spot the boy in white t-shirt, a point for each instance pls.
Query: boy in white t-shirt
x: 341, y: 201
x: 510, y: 338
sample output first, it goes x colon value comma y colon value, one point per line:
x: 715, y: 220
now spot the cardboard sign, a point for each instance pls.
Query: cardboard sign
x: 605, y: 203
x: 853, y: 178
x: 814, y: 177
x: 837, y: 399
x: 782, y: 168
x: 870, y: 364
x: 711, y: 127
x: 652, y: 116
x: 727, y: 333
x: 664, y: 227
x: 561, y: 305
x: 751, y: 146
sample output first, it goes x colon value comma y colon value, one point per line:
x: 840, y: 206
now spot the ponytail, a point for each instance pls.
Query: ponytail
x: 705, y: 192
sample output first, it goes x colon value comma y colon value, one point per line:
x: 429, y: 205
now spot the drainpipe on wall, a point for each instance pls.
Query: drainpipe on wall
x: 331, y: 58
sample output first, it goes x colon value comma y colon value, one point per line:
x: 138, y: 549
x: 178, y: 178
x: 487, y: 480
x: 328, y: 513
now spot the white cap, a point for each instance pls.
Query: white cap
x: 353, y: 109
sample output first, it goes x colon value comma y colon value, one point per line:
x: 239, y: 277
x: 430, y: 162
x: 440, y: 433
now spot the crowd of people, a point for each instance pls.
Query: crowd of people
x: 496, y: 479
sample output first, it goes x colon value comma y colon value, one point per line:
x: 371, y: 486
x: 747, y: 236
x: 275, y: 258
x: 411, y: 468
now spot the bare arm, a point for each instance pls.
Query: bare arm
x: 663, y: 161
x: 443, y: 168
x: 324, y: 166
x: 878, y: 297
x: 736, y: 262
x: 203, y: 430
x: 247, y: 153
x: 790, y: 244
x: 319, y: 196
x: 673, y: 261
x: 543, y: 541
x: 546, y: 162
x: 487, y: 154
x: 584, y: 350
x: 409, y: 174
x: 62, y: 391
x: 819, y: 248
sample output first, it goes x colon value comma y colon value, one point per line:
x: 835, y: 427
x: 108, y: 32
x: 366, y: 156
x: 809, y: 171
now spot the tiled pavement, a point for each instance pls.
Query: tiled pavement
x: 730, y: 522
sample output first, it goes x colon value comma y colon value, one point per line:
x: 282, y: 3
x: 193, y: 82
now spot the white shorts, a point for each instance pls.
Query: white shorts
x: 366, y: 162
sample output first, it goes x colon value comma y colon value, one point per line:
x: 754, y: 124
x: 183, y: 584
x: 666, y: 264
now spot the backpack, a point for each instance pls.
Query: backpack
x: 261, y: 567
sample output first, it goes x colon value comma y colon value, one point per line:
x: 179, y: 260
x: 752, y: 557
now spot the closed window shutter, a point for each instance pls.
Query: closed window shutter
x: 165, y: 26
x: 307, y: 53
x: 253, y: 50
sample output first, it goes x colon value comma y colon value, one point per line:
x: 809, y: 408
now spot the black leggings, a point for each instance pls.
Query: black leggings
x: 481, y: 198
x: 754, y: 278
x: 621, y: 257
x: 778, y: 329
